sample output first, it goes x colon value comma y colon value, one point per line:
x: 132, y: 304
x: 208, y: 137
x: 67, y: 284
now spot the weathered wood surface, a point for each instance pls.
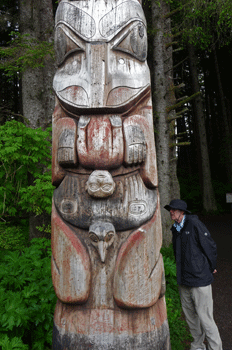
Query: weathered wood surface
x: 107, y: 268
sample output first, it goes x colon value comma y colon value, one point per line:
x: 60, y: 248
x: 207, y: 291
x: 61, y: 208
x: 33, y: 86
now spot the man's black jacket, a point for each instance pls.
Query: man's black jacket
x: 195, y: 252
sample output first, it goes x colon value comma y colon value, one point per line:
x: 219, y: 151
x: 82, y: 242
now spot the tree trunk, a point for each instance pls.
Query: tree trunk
x: 162, y: 98
x: 226, y: 137
x: 170, y: 101
x: 36, y: 20
x: 209, y: 202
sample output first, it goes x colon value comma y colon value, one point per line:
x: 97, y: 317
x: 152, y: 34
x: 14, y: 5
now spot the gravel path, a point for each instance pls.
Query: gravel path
x: 221, y: 231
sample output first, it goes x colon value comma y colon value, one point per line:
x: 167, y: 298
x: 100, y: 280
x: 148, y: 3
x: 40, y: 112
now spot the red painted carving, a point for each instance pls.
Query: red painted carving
x: 106, y: 229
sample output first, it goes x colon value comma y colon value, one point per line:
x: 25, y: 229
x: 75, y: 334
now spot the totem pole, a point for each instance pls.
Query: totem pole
x: 107, y: 268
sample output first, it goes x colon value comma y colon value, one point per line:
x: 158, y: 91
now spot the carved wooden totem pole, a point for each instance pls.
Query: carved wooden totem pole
x: 106, y: 230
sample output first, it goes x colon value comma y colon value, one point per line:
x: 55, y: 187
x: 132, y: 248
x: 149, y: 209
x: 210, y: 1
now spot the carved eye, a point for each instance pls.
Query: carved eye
x: 107, y: 187
x: 93, y: 237
x: 135, y: 43
x: 93, y: 187
x: 109, y: 236
x: 64, y: 45
x: 68, y: 206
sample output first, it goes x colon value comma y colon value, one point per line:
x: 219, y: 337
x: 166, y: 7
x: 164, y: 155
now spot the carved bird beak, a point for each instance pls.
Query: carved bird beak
x: 102, y: 250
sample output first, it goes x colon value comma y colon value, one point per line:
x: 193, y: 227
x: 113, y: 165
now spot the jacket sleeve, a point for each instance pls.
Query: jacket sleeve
x: 174, y: 242
x: 207, y: 244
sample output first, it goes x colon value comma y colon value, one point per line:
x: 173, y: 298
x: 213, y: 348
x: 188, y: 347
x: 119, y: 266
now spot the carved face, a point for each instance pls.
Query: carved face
x: 101, y: 54
x: 100, y: 184
x: 102, y: 235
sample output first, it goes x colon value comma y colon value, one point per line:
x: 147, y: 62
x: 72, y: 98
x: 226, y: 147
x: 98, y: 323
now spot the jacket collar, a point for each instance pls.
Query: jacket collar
x: 179, y: 226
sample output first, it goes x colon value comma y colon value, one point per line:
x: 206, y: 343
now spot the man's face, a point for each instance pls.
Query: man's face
x: 176, y: 215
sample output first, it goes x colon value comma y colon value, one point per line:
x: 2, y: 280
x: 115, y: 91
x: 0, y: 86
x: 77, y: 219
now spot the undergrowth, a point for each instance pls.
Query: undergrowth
x: 27, y: 298
x: 179, y: 333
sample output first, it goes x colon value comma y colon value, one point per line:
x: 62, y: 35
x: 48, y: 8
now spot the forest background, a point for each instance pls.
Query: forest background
x: 190, y: 53
x: 190, y: 49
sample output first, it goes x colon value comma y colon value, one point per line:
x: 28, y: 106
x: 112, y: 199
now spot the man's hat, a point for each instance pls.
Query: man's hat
x: 177, y: 204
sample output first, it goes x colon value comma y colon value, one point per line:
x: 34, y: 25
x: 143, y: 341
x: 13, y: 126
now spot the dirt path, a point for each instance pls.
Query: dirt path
x: 221, y: 231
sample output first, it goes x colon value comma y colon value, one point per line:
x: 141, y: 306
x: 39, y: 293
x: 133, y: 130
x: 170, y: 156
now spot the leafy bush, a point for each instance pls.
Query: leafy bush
x: 14, y: 237
x: 24, y: 51
x: 178, y: 327
x: 25, y: 171
x: 27, y: 298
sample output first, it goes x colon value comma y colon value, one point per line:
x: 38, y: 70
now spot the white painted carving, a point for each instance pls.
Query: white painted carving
x: 100, y: 184
x: 102, y: 235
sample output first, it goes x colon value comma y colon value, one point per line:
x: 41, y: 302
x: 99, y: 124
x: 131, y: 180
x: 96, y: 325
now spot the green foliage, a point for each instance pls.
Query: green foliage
x: 25, y: 170
x: 24, y: 51
x: 13, y: 237
x: 12, y: 344
x: 178, y: 328
x: 27, y: 298
x: 204, y: 22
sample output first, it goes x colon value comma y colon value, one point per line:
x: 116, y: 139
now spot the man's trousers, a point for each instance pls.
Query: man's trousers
x: 197, y: 305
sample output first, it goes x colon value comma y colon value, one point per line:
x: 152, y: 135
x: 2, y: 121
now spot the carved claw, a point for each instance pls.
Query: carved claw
x: 135, y: 145
x: 66, y: 148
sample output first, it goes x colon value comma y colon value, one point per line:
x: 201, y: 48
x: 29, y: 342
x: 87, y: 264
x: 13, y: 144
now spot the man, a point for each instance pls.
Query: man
x: 196, y: 255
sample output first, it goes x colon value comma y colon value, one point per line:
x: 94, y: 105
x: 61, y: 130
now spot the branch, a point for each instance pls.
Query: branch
x: 177, y: 87
x: 176, y: 50
x: 8, y: 112
x: 174, y: 159
x: 177, y: 34
x: 186, y: 143
x: 181, y: 98
x: 179, y: 144
x: 174, y: 118
x: 170, y: 44
x: 170, y: 14
x: 178, y: 64
x: 182, y: 133
x: 177, y: 105
x: 182, y: 111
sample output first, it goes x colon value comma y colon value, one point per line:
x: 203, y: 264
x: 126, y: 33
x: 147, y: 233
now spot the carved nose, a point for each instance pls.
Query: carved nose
x: 102, y: 250
x: 97, y: 64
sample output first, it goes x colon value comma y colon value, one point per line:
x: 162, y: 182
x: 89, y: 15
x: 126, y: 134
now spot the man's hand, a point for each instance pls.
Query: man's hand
x: 215, y: 271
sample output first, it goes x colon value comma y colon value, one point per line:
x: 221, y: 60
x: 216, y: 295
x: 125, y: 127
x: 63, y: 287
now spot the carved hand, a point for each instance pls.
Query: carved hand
x: 135, y: 145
